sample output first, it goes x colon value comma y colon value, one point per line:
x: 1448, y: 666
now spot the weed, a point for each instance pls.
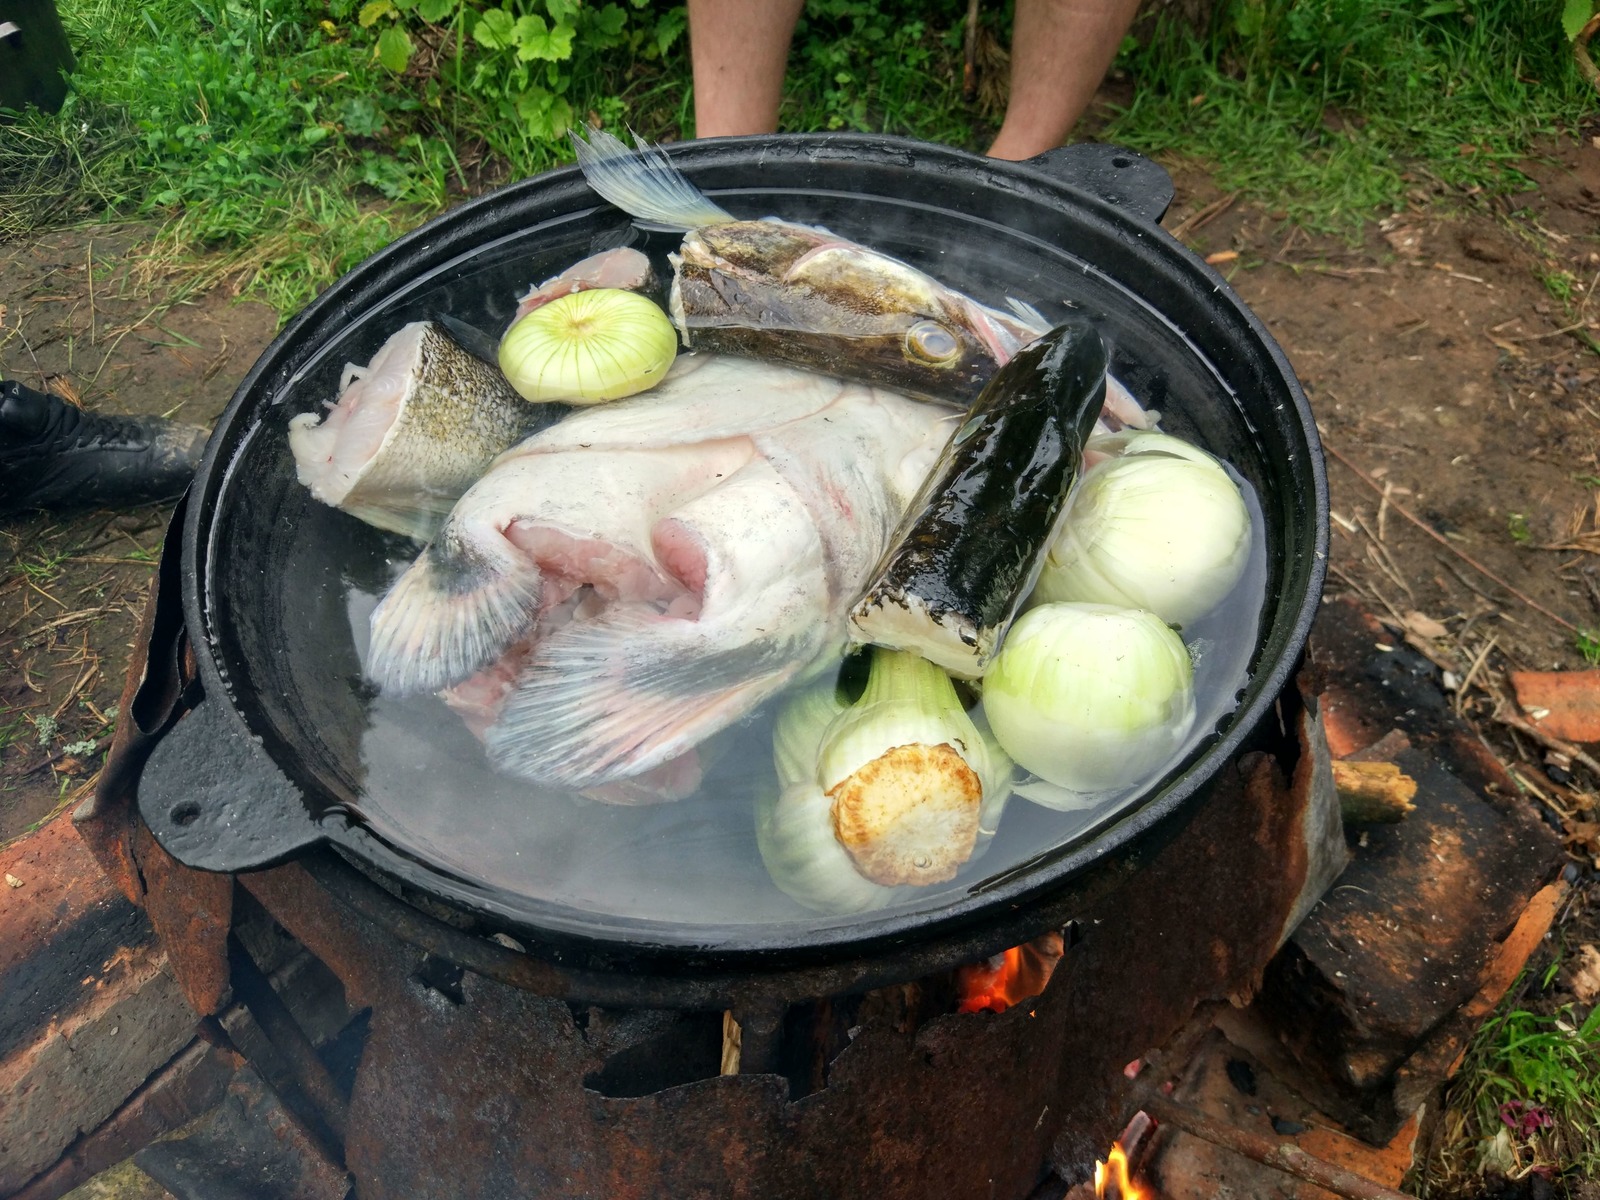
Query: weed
x: 1529, y: 1087
x: 41, y: 568
x: 46, y: 727
x: 1332, y: 108
x: 1587, y: 643
x: 10, y: 731
x: 1517, y: 526
x: 280, y: 141
x: 1563, y: 285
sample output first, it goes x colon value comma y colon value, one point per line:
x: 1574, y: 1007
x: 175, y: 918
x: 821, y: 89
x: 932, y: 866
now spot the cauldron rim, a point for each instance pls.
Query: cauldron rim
x: 1024, y: 888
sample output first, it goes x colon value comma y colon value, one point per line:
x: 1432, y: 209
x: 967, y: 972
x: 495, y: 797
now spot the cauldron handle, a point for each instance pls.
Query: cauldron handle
x: 1116, y: 174
x: 215, y: 800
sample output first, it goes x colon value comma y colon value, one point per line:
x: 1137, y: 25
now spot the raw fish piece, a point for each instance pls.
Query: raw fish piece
x: 619, y: 268
x: 525, y: 538
x: 610, y: 697
x: 976, y: 535
x: 602, y: 605
x: 411, y: 431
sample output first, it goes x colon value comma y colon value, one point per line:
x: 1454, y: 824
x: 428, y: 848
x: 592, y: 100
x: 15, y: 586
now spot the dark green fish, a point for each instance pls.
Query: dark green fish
x: 974, y: 538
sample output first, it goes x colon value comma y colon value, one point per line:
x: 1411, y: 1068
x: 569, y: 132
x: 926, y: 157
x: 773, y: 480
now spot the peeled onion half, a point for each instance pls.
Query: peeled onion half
x: 589, y: 347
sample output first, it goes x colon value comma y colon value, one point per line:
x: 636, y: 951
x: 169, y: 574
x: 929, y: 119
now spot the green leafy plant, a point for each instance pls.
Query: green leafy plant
x: 1587, y: 643
x: 518, y: 59
x: 1530, y: 1086
x: 1580, y: 20
x: 1517, y: 526
x: 1332, y: 109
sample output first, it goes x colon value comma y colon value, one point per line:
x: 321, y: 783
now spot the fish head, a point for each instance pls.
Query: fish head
x: 771, y: 289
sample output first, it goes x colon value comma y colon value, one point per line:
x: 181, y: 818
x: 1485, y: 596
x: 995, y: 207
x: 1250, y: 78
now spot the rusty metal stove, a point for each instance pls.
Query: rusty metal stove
x: 489, y: 1069
x: 523, y: 1066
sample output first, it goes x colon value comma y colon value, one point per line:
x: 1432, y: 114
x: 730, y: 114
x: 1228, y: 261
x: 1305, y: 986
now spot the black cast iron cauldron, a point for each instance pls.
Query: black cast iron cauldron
x: 269, y: 764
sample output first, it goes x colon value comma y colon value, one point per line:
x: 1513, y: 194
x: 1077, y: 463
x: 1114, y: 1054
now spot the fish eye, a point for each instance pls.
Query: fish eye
x: 932, y: 342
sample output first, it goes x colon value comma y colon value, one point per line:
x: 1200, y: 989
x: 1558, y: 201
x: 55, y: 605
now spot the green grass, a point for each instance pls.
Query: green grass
x: 1532, y: 1081
x: 271, y: 141
x: 1333, y: 109
x: 1587, y: 643
x: 891, y: 68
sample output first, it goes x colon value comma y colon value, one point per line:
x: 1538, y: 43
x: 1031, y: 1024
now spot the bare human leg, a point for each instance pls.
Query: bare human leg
x: 739, y: 49
x: 1060, y: 50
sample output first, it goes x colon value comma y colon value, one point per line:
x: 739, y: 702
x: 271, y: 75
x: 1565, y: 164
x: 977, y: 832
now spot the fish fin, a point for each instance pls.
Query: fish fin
x: 1028, y: 315
x: 418, y: 520
x: 611, y: 698
x: 1003, y: 336
x: 644, y: 183
x: 456, y: 608
x: 470, y: 338
x: 1121, y: 404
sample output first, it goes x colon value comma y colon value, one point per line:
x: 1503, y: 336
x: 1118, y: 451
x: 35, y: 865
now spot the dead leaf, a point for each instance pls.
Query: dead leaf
x: 1405, y: 241
x: 12, y: 880
x: 1565, y: 704
x: 1220, y: 257
x: 1584, y: 837
x: 1424, y: 626
x: 1585, y: 978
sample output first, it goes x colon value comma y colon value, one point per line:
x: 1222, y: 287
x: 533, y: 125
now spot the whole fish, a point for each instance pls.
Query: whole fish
x: 629, y: 582
x: 411, y: 431
x: 781, y: 291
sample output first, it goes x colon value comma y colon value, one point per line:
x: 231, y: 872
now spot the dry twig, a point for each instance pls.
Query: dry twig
x: 1445, y: 542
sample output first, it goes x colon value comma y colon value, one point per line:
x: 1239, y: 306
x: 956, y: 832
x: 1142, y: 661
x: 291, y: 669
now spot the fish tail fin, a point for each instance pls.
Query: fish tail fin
x: 644, y: 183
x: 610, y: 698
x: 456, y: 608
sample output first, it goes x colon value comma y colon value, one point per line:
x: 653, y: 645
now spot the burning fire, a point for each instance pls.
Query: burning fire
x: 1011, y: 977
x: 1111, y: 1179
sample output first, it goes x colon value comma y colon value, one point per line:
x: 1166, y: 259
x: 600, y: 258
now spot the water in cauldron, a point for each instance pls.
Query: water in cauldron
x: 689, y: 871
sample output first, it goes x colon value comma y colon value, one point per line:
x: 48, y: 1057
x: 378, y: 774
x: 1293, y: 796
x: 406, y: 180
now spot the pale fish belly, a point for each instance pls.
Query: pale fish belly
x: 624, y: 692
x: 774, y: 557
x: 598, y: 608
x: 528, y: 535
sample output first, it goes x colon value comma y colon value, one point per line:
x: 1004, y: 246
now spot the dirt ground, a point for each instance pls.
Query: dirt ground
x: 1444, y: 357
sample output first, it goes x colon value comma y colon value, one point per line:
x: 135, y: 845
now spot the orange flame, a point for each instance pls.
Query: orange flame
x: 1008, y: 978
x: 1111, y: 1179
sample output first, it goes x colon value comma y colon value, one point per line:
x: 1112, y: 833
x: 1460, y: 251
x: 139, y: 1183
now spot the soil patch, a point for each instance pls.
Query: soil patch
x: 86, y: 314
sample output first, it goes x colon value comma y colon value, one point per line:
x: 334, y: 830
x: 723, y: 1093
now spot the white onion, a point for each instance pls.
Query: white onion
x: 1160, y: 527
x: 589, y: 347
x: 1090, y: 697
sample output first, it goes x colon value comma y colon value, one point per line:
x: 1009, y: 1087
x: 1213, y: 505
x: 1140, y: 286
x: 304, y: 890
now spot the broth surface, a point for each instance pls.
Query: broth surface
x: 409, y: 772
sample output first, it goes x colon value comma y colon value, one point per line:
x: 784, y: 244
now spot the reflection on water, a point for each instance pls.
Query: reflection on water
x: 427, y: 788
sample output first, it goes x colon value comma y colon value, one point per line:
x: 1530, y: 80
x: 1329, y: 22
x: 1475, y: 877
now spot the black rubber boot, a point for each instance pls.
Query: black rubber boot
x: 56, y: 456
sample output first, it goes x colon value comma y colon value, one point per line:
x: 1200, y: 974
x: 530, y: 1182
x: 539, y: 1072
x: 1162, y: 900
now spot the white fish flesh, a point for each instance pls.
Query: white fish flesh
x: 633, y: 580
x: 411, y: 431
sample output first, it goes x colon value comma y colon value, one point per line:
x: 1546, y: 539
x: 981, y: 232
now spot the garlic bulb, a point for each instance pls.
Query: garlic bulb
x: 588, y: 347
x: 1090, y: 697
x: 1160, y: 526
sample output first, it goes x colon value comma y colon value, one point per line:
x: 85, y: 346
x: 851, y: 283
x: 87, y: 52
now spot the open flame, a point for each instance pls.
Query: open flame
x: 1112, y: 1181
x: 1008, y: 978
